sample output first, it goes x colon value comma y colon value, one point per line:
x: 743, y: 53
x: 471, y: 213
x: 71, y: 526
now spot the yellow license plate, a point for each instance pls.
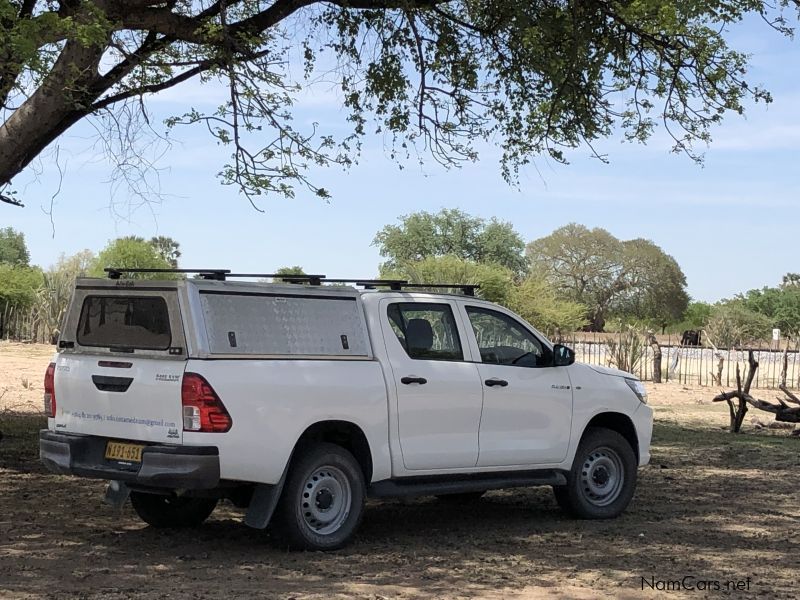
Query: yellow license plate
x: 124, y: 452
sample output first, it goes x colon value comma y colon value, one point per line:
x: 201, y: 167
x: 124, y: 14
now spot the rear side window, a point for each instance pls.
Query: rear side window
x: 426, y: 331
x: 140, y: 322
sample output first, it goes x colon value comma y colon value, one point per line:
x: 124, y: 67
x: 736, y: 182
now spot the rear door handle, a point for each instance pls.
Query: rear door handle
x: 413, y: 379
x: 495, y: 381
x: 112, y: 384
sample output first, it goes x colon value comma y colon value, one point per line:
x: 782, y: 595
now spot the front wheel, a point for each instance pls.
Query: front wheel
x: 171, y: 511
x: 323, y: 500
x: 602, y: 480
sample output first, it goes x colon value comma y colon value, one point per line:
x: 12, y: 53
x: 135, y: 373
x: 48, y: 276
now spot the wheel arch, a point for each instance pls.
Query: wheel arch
x: 345, y: 434
x: 619, y: 422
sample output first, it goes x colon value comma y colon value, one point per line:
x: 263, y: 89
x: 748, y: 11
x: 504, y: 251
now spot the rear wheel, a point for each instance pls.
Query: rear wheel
x: 323, y: 500
x: 603, y: 476
x: 171, y: 511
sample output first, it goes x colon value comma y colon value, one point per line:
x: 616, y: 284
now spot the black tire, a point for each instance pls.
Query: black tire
x: 461, y: 498
x: 322, y: 502
x: 170, y: 511
x: 603, y: 476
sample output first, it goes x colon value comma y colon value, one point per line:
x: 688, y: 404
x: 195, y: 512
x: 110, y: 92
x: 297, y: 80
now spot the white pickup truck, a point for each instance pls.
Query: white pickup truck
x: 299, y: 401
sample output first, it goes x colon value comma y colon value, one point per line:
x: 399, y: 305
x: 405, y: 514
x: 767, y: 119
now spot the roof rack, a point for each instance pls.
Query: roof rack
x: 215, y: 274
x: 369, y: 284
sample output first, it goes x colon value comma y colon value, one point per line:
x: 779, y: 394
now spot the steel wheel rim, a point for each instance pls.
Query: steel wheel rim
x: 325, y: 500
x: 602, y: 476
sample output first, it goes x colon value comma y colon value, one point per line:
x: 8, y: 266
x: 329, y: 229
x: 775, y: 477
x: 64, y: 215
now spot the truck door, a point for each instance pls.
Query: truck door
x: 119, y: 373
x: 439, y: 394
x: 527, y: 402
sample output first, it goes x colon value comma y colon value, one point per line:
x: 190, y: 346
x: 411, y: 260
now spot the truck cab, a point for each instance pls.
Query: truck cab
x: 298, y: 400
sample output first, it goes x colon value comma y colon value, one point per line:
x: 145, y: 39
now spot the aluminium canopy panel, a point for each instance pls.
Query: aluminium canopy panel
x: 284, y: 324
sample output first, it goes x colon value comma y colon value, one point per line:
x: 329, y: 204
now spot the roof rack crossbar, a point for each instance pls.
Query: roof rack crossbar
x: 468, y: 289
x: 216, y: 274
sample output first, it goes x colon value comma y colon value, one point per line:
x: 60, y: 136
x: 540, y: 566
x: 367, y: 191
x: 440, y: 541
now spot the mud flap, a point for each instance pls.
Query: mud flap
x: 116, y: 494
x: 262, y: 504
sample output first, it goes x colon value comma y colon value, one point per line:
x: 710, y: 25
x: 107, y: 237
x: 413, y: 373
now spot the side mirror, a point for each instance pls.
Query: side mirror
x: 563, y: 356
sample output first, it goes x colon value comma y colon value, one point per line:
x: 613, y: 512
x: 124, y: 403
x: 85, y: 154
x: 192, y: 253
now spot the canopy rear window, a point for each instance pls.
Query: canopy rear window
x: 135, y: 322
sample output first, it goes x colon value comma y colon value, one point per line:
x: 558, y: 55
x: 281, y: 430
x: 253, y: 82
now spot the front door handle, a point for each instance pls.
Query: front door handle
x: 495, y: 381
x: 413, y: 379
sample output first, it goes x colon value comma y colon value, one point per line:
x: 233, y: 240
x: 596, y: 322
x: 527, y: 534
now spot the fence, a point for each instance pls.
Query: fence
x: 24, y: 325
x: 691, y: 365
x: 687, y: 365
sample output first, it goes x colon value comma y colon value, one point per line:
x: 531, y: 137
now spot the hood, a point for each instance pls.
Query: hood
x: 610, y: 371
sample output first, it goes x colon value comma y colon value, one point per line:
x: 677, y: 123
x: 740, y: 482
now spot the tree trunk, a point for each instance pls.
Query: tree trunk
x: 651, y: 339
x: 63, y: 99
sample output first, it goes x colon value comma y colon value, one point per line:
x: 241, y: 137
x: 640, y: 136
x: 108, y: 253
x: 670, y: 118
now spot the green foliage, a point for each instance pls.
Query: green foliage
x: 632, y: 279
x: 780, y: 305
x: 18, y: 285
x: 533, y: 299
x: 167, y: 248
x: 53, y: 297
x: 451, y: 232
x: 538, y: 303
x: 791, y: 280
x: 696, y: 316
x: 732, y: 325
x: 535, y: 78
x: 626, y: 349
x: 13, y: 249
x: 495, y: 281
x: 295, y: 270
x: 131, y: 253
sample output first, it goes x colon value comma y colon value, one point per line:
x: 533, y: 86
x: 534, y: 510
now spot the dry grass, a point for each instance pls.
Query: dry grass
x: 22, y: 368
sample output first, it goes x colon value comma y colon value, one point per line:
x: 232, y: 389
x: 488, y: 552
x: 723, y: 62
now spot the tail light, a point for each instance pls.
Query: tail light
x: 50, y: 390
x: 202, y: 408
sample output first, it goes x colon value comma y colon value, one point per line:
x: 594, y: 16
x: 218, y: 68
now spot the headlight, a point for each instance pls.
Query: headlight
x: 637, y: 387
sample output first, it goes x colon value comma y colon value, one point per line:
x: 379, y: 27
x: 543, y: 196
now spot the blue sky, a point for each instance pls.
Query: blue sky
x: 731, y: 224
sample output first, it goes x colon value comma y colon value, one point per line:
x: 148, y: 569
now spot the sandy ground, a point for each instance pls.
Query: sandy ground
x: 712, y: 507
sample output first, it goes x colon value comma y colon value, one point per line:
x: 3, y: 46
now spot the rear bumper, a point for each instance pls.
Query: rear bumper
x: 162, y: 466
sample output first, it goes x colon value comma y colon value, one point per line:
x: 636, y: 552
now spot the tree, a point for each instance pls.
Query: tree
x: 780, y: 305
x: 732, y: 325
x: 295, y: 270
x: 696, y: 315
x: 436, y: 75
x: 656, y: 285
x: 537, y: 302
x: 533, y: 299
x: 131, y: 253
x: 495, y: 281
x: 791, y: 280
x: 13, y: 249
x: 167, y: 248
x: 451, y: 232
x: 18, y: 285
x: 53, y: 297
x: 590, y: 266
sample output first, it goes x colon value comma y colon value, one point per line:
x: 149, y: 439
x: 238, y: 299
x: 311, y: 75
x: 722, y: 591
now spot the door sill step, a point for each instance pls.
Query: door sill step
x: 431, y: 485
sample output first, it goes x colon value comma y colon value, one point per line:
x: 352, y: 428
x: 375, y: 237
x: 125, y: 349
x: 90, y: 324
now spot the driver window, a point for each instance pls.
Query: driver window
x: 504, y: 341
